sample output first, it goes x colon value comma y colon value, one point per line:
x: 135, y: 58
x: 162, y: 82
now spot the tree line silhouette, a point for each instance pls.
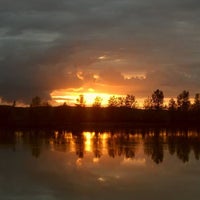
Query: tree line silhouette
x: 155, y: 102
x: 120, y: 110
x: 156, y: 143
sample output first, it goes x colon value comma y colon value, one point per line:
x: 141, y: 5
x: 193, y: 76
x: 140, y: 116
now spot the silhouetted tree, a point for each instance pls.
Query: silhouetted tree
x: 120, y: 101
x: 148, y: 103
x: 64, y: 104
x: 113, y: 101
x: 157, y: 99
x: 172, y: 105
x: 197, y: 98
x: 130, y: 101
x: 36, y: 101
x: 196, y: 105
x: 81, y: 101
x: 97, y: 102
x: 183, y: 101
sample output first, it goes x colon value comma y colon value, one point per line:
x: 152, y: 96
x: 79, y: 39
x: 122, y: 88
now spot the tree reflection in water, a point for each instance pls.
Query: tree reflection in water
x: 116, y: 144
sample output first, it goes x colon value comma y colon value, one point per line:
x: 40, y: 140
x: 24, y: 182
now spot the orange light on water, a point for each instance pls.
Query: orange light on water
x: 88, y: 136
x: 104, y: 138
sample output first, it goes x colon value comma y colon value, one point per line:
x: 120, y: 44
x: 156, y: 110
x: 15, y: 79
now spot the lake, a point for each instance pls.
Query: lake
x: 113, y: 164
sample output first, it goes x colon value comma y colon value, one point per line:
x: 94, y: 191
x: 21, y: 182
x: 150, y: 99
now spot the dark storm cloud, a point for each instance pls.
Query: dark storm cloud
x: 43, y: 43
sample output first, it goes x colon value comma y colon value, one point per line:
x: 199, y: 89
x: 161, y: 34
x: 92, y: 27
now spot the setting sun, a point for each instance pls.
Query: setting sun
x: 71, y: 97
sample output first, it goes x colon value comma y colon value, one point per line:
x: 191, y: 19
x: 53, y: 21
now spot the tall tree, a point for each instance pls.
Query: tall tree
x: 172, y: 105
x: 196, y: 105
x: 81, y: 101
x: 120, y: 101
x: 97, y: 102
x: 148, y: 103
x: 113, y: 101
x: 130, y: 101
x: 183, y: 100
x: 157, y: 99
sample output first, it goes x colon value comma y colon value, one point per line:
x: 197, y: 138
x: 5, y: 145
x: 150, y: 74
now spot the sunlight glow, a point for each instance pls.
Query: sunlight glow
x: 70, y: 97
x: 90, y: 97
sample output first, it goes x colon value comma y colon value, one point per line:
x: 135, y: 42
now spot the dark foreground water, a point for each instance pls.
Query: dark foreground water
x: 137, y: 164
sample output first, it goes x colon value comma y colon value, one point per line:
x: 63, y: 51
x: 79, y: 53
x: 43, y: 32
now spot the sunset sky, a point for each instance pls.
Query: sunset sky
x: 62, y: 48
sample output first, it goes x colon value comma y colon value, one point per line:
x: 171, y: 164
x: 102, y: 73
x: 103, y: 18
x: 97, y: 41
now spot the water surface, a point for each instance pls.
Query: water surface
x: 135, y: 164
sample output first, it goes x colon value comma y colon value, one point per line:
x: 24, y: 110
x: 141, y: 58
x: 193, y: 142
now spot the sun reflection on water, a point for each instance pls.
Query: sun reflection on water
x: 88, y: 136
x: 85, y: 162
x: 133, y: 148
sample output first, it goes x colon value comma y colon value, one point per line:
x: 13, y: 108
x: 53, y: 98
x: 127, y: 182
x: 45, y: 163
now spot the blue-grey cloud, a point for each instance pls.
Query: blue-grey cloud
x: 44, y: 44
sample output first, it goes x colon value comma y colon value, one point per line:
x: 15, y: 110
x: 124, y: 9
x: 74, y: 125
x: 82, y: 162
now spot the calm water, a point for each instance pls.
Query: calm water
x: 54, y: 165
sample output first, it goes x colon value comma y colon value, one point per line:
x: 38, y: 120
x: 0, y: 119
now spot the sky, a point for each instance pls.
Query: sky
x: 117, y: 47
